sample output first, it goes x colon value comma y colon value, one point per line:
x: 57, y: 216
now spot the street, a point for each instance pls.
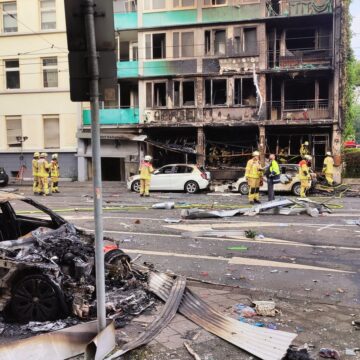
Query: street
x: 304, y: 263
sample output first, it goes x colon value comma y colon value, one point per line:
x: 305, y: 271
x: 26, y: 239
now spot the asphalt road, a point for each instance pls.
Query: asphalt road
x: 295, y: 257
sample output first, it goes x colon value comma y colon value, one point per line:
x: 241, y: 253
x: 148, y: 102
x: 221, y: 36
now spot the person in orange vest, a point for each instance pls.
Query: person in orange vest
x: 35, y: 174
x: 145, y: 170
x: 43, y: 174
x: 304, y: 175
x: 253, y: 174
x: 54, y: 174
x: 328, y: 168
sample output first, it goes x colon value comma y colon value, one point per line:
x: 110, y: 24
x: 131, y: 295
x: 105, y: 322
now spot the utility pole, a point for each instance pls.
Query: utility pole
x: 89, y: 13
x: 93, y: 77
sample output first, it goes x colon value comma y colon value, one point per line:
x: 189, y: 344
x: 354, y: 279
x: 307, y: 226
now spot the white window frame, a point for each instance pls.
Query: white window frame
x: 47, y: 10
x: 50, y: 67
x: 153, y: 106
x: 181, y: 93
x: 181, y: 7
x: 151, y: 6
x: 152, y: 45
x: 12, y: 69
x: 181, y: 56
x: 8, y: 14
x: 8, y: 119
x: 212, y: 41
x: 215, y: 3
x: 51, y: 117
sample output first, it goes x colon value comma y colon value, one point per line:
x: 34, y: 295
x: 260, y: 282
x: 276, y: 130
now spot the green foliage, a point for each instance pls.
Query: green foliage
x: 357, y: 72
x: 357, y: 122
x: 352, y: 161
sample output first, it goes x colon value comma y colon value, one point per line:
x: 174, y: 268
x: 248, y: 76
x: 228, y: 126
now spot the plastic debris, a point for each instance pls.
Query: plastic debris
x: 204, y: 273
x: 294, y: 353
x: 244, y: 311
x: 274, y: 271
x: 166, y: 205
x: 329, y: 354
x: 237, y: 248
x: 172, y: 221
x: 265, y: 308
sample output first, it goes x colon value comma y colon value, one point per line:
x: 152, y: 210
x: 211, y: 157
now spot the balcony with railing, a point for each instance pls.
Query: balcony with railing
x: 300, y: 59
x: 299, y: 110
x: 125, y: 14
x: 298, y: 7
x: 115, y: 117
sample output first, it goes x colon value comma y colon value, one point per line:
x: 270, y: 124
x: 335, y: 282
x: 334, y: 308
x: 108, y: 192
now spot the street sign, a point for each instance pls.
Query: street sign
x: 79, y: 68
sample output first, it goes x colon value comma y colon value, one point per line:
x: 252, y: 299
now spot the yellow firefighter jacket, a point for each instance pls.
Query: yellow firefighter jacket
x: 145, y: 170
x: 328, y: 167
x: 253, y: 169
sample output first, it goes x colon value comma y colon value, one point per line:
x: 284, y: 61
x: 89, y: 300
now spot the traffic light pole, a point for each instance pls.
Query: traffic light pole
x: 89, y: 13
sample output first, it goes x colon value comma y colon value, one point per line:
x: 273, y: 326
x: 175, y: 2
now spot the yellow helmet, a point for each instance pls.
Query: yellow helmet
x: 256, y: 153
x: 43, y: 155
x: 306, y: 143
x: 36, y: 154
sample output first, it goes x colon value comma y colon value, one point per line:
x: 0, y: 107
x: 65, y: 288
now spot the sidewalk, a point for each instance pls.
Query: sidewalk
x: 317, y: 324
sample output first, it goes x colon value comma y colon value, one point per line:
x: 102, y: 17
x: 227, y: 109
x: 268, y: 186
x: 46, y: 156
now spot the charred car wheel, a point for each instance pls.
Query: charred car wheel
x: 135, y: 186
x: 35, y: 298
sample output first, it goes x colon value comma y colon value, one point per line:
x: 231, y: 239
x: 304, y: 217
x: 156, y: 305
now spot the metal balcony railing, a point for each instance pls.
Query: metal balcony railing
x: 298, y: 7
x: 299, y: 110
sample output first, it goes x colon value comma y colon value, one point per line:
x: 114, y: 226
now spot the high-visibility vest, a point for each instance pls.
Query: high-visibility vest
x: 43, y: 167
x: 253, y: 169
x: 304, y: 171
x: 35, y: 167
x: 54, y: 169
x: 328, y: 167
x: 146, y: 170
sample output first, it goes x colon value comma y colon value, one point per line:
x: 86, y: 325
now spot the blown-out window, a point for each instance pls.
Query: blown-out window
x: 216, y: 91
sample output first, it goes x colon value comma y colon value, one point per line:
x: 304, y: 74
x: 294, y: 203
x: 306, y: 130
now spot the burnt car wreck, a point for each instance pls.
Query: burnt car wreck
x: 47, y: 270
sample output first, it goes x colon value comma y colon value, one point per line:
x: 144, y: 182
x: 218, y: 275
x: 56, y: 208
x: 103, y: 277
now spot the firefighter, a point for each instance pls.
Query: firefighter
x: 253, y: 174
x: 43, y: 174
x: 282, y: 156
x: 54, y: 173
x: 328, y: 168
x: 145, y: 170
x: 35, y: 174
x: 273, y: 176
x: 304, y: 175
x: 304, y: 149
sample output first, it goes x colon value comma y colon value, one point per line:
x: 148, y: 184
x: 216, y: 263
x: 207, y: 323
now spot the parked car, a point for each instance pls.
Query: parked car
x: 174, y: 177
x: 289, y: 176
x: 47, y: 265
x: 4, y: 178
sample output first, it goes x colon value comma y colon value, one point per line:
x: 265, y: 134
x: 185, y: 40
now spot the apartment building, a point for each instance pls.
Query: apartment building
x: 36, y: 113
x: 209, y: 81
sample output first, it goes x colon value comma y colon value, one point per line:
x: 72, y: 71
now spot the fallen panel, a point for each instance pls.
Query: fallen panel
x: 264, y: 343
x: 169, y: 311
x: 202, y: 214
x: 62, y: 344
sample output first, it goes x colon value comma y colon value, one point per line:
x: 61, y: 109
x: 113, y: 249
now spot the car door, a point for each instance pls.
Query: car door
x: 182, y: 174
x: 162, y: 178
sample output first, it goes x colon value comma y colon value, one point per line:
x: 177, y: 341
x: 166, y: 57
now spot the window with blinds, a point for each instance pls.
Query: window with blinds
x: 13, y: 130
x: 50, y: 72
x: 48, y: 14
x: 51, y: 132
x: 9, y: 17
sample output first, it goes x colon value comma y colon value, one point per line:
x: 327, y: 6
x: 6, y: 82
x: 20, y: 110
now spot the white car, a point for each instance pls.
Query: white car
x: 175, y: 177
x: 289, y: 181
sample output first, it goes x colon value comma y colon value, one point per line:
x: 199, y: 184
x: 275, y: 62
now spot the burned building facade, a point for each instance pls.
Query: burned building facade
x: 209, y: 81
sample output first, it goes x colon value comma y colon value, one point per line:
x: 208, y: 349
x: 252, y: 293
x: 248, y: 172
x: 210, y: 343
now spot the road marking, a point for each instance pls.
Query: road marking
x: 238, y: 261
x: 325, y: 227
x: 269, y: 241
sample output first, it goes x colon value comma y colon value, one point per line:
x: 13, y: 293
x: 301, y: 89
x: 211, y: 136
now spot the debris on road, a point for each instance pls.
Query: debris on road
x: 264, y: 343
x: 237, y: 248
x: 329, y: 354
x: 294, y: 353
x: 265, y: 308
x: 244, y: 310
x: 351, y: 352
x: 275, y: 207
x: 250, y: 234
x: 191, y: 351
x: 356, y: 324
x: 172, y: 221
x: 165, y: 205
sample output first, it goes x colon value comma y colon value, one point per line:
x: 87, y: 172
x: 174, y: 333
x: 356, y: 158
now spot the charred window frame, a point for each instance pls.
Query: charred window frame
x: 301, y: 39
x: 216, y: 92
x: 156, y: 94
x: 215, y: 42
x: 184, y: 93
x: 245, y: 41
x: 183, y: 44
x: 244, y: 92
x: 211, y: 3
x: 155, y: 46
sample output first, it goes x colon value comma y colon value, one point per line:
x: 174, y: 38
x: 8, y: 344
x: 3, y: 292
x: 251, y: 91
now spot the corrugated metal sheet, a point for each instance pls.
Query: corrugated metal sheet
x: 264, y: 343
x: 169, y: 311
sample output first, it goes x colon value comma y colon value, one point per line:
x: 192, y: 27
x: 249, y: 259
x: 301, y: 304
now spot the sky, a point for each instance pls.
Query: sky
x: 355, y: 12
